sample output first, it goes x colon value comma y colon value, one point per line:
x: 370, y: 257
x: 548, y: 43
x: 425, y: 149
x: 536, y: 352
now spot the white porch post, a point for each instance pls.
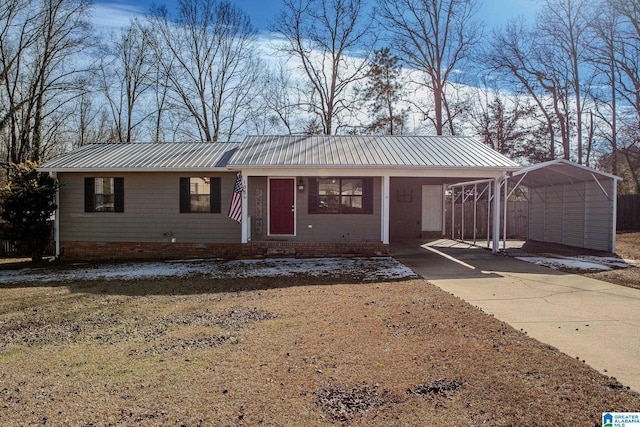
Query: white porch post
x: 385, y: 210
x: 496, y: 216
x: 614, y: 220
x: 245, y: 209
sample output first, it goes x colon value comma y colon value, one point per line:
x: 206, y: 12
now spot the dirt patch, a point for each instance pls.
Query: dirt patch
x: 629, y: 277
x: 234, y: 318
x: 345, y: 404
x: 238, y: 316
x: 439, y: 389
x: 280, y: 351
x: 187, y: 345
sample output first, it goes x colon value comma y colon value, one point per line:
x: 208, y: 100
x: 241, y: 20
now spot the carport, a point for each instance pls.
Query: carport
x: 570, y: 204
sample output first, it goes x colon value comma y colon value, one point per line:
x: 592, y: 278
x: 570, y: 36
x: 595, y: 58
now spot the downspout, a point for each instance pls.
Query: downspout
x: 56, y: 220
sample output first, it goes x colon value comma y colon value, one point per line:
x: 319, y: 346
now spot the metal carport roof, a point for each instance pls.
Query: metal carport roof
x: 556, y: 172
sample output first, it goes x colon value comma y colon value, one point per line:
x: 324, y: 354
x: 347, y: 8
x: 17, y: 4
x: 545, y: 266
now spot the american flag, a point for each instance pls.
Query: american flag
x: 235, y: 210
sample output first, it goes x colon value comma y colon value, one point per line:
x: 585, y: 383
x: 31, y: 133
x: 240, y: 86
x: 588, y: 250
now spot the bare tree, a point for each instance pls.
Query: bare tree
x: 282, y: 100
x: 40, y: 78
x: 564, y: 30
x: 604, y: 56
x: 506, y: 124
x: 628, y: 86
x: 435, y: 37
x: 91, y: 122
x: 207, y: 58
x: 513, y: 54
x: 125, y: 77
x: 331, y: 39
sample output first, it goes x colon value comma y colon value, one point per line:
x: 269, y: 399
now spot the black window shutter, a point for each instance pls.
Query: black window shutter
x: 185, y: 195
x: 118, y: 194
x: 215, y: 196
x: 89, y: 190
x: 367, y: 195
x: 313, y: 196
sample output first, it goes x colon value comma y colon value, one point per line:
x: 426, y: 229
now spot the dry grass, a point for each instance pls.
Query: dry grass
x: 628, y: 247
x: 294, y: 351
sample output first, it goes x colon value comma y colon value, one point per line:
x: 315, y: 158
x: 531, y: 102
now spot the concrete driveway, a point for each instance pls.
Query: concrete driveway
x: 595, y: 321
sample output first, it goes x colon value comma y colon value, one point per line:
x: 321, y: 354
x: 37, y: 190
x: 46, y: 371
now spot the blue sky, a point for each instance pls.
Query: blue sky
x: 492, y: 12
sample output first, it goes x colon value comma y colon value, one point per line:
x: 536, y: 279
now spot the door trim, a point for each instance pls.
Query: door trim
x: 295, y: 204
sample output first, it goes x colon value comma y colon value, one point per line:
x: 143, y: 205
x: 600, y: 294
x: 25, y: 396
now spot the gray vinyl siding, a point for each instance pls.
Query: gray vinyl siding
x: 574, y: 214
x: 151, y: 212
x: 577, y: 214
x: 315, y: 228
x: 405, y: 212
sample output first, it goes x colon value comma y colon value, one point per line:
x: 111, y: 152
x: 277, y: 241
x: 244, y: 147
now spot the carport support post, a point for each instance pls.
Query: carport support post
x: 453, y: 212
x: 496, y: 216
x: 462, y: 215
x: 475, y: 211
x: 488, y: 213
x: 504, y: 218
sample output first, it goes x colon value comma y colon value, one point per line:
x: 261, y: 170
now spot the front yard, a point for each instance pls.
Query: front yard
x: 304, y: 349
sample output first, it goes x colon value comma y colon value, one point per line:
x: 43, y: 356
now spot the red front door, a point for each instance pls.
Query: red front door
x: 281, y: 206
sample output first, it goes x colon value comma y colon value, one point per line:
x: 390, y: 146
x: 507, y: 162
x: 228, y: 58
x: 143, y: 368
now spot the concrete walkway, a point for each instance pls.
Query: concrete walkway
x: 596, y: 321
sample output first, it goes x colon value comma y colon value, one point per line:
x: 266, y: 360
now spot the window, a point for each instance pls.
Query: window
x: 104, y: 194
x: 341, y: 196
x: 200, y: 194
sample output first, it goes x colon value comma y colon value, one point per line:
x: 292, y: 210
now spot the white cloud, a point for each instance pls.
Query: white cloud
x: 110, y: 17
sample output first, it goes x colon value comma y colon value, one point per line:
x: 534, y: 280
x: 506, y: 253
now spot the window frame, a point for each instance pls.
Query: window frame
x: 366, y: 197
x: 91, y: 194
x: 186, y: 196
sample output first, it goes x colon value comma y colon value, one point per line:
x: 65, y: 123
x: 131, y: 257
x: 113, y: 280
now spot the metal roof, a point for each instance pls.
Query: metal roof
x: 286, y: 151
x: 368, y: 151
x: 556, y: 172
x: 149, y: 157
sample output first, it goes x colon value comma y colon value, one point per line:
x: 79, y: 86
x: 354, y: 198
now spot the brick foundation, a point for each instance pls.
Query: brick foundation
x: 90, y: 251
x: 312, y: 250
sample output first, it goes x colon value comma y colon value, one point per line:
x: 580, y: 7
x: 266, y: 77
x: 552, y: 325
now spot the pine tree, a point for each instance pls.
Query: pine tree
x: 382, y: 92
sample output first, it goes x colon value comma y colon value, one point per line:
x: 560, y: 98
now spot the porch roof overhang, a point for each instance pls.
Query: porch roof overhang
x: 392, y: 172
